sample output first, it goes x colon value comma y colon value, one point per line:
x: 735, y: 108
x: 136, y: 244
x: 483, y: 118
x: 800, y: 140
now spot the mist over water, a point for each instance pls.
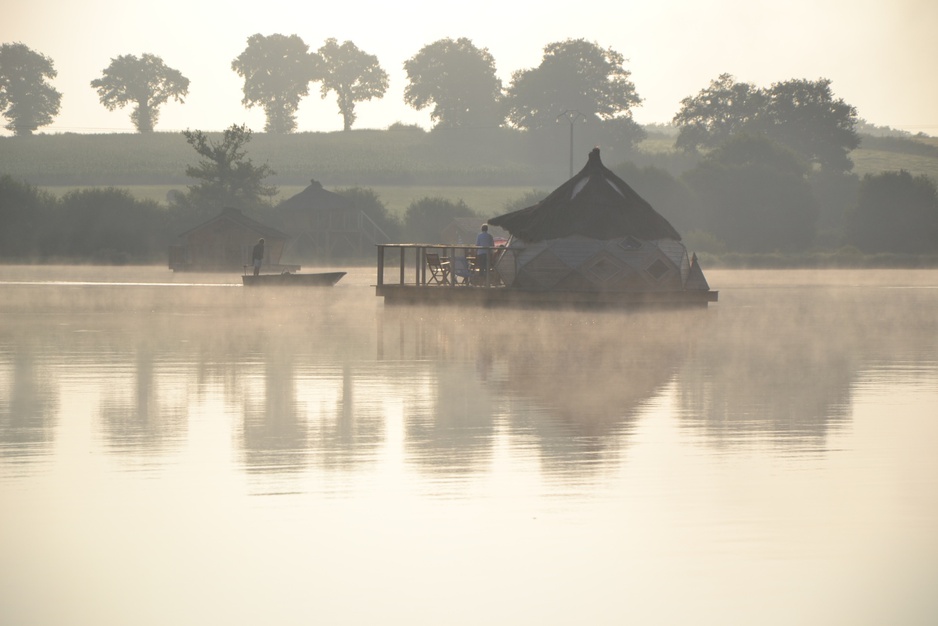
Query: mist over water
x: 179, y: 449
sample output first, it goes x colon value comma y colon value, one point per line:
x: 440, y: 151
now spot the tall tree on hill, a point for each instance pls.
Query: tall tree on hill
x: 574, y: 76
x: 26, y: 99
x: 458, y: 80
x: 716, y: 113
x: 277, y: 71
x: 228, y: 178
x: 805, y: 116
x: 800, y: 114
x: 145, y: 82
x: 354, y: 76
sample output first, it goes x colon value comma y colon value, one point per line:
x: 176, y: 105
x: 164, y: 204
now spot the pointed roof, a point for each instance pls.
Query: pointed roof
x: 695, y: 278
x: 594, y: 203
x: 315, y: 197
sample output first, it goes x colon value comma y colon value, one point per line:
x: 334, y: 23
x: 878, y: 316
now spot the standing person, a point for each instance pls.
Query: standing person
x: 257, y: 255
x: 485, y: 240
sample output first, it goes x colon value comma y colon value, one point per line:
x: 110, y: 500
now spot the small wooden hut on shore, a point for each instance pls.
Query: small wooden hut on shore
x: 224, y: 243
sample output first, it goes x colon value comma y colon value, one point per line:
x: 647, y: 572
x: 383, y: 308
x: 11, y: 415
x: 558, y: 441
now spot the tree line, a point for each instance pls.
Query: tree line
x: 457, y: 82
x: 768, y: 168
x: 749, y: 195
x: 453, y: 78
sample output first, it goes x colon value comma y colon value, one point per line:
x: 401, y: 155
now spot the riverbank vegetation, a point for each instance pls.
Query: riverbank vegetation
x: 750, y: 202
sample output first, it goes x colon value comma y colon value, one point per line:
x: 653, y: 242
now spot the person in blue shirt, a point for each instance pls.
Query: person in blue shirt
x: 486, y: 240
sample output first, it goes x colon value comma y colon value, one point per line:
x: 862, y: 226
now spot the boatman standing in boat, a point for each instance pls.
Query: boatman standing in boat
x: 257, y: 256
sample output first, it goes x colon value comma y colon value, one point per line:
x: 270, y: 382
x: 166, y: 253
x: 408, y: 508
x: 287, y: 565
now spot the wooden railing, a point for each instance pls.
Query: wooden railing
x: 414, y: 270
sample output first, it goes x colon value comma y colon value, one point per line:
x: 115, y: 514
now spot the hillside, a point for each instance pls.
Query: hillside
x: 481, y: 157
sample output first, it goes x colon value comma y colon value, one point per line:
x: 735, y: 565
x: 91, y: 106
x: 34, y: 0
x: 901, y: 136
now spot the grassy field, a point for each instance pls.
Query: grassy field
x: 484, y: 200
x: 878, y: 161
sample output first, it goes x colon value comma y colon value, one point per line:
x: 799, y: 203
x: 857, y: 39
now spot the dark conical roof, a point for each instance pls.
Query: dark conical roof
x: 594, y: 203
x: 315, y: 197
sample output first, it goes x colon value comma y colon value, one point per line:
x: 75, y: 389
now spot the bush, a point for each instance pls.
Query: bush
x: 24, y: 213
x: 108, y: 225
x: 426, y: 218
x: 895, y: 212
x: 367, y: 201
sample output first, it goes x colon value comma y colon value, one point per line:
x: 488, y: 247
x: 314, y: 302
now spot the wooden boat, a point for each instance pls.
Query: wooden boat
x: 321, y: 279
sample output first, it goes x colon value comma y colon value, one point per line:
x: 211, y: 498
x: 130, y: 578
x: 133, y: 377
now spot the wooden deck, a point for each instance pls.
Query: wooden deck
x: 416, y: 284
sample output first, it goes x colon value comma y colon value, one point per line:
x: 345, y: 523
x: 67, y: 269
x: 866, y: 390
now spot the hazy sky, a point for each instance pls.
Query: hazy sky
x: 880, y: 54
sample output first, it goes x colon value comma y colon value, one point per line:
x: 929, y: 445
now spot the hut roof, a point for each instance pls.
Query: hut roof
x: 237, y: 217
x: 315, y: 197
x: 594, y: 203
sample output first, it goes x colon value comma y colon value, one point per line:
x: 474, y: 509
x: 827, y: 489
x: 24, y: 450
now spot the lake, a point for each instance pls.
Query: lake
x: 177, y: 449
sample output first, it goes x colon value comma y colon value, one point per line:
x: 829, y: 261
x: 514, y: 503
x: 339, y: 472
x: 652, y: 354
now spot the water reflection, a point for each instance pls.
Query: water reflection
x: 274, y: 431
x: 140, y: 414
x: 28, y: 402
x: 789, y: 375
x: 336, y: 384
x: 566, y: 387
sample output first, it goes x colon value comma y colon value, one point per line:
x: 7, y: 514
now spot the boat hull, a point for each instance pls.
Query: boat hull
x: 322, y: 279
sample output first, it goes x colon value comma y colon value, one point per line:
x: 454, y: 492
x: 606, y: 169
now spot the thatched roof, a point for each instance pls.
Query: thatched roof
x: 316, y: 198
x: 594, y: 203
x: 235, y: 216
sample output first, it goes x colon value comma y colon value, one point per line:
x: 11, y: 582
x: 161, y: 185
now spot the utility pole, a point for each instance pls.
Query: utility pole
x: 572, y: 116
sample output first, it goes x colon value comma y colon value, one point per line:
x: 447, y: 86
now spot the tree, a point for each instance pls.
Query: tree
x: 717, y: 113
x: 426, y: 218
x: 26, y: 99
x: 804, y: 116
x: 229, y: 178
x: 277, y: 71
x: 108, y: 225
x: 368, y: 202
x: 754, y: 196
x: 459, y: 80
x: 146, y: 82
x: 668, y: 195
x: 800, y: 114
x: 24, y: 212
x: 895, y: 212
x: 574, y: 75
x: 353, y: 75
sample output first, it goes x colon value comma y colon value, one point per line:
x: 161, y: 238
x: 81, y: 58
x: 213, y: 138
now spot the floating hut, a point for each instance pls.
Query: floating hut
x: 592, y: 241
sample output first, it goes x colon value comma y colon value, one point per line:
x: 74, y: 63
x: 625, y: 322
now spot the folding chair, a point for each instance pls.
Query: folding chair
x: 439, y: 269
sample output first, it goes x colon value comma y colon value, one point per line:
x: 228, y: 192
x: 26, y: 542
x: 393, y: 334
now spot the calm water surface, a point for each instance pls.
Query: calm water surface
x: 176, y: 449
